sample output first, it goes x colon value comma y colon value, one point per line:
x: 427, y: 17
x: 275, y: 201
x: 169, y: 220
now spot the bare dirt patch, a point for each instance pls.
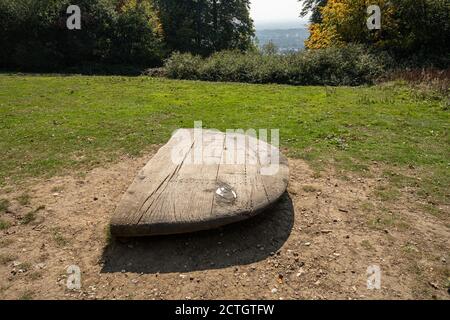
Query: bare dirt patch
x: 316, y: 243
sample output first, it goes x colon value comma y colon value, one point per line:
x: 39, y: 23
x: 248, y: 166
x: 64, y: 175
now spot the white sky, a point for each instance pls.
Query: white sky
x: 273, y: 13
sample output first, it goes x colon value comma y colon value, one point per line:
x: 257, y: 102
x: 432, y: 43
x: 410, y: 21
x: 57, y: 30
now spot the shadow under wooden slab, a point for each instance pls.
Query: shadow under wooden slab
x: 240, y: 243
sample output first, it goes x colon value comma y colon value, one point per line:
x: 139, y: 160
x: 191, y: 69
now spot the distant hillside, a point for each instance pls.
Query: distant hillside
x: 284, y: 39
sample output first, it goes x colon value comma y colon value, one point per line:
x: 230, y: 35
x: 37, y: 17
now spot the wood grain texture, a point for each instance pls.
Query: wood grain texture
x: 201, y: 181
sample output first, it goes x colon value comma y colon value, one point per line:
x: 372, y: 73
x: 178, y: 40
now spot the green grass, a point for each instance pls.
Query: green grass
x: 4, y: 205
x: 50, y: 124
x: 25, y: 266
x: 385, y: 220
x: 29, y: 217
x: 27, y: 295
x: 32, y: 215
x: 24, y: 199
x: 4, y: 224
x: 387, y: 193
x: 60, y: 240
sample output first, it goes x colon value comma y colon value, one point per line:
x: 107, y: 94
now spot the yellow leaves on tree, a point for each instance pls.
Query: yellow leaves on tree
x: 345, y: 21
x: 321, y: 36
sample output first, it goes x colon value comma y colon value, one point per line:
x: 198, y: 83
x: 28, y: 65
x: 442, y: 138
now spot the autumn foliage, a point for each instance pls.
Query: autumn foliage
x: 408, y: 27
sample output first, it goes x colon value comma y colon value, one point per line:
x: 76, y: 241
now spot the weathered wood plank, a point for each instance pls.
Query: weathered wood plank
x: 200, y: 190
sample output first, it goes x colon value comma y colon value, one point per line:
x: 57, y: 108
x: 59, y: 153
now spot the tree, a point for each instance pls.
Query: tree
x: 205, y: 26
x: 313, y: 7
x: 270, y: 48
x: 408, y: 27
x: 34, y: 35
x: 137, y: 35
x: 233, y: 27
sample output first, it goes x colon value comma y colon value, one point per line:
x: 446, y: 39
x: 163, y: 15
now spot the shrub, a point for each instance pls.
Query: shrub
x: 352, y: 65
x: 228, y: 66
x: 183, y: 66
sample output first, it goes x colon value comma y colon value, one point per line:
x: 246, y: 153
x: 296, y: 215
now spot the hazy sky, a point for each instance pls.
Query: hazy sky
x: 273, y: 13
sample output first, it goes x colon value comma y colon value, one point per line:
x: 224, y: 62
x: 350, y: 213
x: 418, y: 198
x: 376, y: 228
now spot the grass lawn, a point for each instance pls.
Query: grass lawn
x: 51, y: 124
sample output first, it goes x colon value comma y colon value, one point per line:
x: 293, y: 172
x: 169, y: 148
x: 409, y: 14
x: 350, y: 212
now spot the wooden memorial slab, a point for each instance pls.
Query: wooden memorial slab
x: 201, y: 179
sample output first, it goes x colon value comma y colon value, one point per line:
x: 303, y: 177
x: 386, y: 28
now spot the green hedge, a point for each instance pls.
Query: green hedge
x: 352, y: 65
